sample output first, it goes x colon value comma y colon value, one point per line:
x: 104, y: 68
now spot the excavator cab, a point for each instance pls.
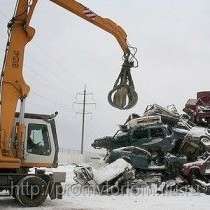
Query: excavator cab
x: 41, y: 144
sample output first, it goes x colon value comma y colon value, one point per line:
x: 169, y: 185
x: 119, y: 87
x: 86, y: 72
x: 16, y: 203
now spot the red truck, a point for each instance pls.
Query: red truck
x: 199, y: 109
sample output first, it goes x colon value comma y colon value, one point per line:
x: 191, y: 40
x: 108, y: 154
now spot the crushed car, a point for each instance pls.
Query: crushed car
x: 152, y: 136
x: 199, y: 109
x: 169, y: 115
x: 195, y: 143
x: 137, y: 157
x: 112, y: 178
x: 200, y: 167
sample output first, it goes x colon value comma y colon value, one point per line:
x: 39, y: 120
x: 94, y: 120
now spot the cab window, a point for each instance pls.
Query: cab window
x: 38, y: 141
x: 140, y: 134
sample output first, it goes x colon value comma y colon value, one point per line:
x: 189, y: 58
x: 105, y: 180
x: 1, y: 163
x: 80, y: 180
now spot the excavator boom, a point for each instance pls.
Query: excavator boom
x: 13, y: 86
x: 103, y: 23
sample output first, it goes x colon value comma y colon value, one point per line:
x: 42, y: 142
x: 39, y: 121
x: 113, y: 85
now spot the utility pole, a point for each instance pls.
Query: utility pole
x: 83, y: 120
x: 84, y: 103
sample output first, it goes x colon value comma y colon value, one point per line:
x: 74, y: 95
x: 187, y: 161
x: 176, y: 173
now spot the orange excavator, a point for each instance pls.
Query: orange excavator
x: 29, y: 140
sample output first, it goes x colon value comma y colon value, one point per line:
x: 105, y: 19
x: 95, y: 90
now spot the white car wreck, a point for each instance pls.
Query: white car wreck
x: 111, y: 178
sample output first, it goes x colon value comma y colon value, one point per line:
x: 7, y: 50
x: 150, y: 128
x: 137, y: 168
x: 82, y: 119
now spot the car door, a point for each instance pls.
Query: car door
x: 140, y: 158
x: 156, y: 138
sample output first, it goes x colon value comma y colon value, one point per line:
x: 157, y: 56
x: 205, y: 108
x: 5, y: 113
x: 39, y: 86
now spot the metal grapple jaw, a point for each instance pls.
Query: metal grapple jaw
x: 123, y: 95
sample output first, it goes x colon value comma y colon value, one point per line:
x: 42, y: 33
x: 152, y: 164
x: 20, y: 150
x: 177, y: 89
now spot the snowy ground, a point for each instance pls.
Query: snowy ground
x: 77, y: 200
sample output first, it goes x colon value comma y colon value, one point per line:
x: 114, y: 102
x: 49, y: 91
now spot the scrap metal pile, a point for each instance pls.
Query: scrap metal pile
x: 162, y: 147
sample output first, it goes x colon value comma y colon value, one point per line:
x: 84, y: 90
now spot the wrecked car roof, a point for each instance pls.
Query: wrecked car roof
x: 144, y: 121
x: 110, y: 171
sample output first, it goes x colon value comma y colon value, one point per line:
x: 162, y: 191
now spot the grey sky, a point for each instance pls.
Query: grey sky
x: 173, y: 41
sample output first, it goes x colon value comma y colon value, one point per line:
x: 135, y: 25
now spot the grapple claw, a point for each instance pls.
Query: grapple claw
x: 123, y: 95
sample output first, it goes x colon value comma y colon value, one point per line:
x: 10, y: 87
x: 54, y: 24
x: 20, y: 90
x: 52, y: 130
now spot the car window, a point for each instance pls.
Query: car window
x: 169, y: 131
x: 183, y: 125
x: 135, y: 151
x: 140, y: 134
x: 127, y: 149
x: 130, y: 149
x: 138, y: 152
x: 157, y: 133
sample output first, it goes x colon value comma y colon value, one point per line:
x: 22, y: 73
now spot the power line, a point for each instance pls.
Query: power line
x: 46, y: 82
x: 53, y: 76
x: 49, y: 100
x: 55, y: 60
x: 44, y: 97
x: 51, y: 59
x: 3, y: 15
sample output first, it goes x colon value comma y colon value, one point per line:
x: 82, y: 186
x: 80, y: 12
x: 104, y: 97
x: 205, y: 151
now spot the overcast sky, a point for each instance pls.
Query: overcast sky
x: 173, y: 41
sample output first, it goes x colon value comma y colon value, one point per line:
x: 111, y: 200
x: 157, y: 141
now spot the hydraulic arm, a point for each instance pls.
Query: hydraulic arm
x: 14, y: 88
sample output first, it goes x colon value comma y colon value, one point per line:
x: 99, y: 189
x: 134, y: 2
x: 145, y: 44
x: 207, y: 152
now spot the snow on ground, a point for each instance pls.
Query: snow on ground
x: 75, y: 199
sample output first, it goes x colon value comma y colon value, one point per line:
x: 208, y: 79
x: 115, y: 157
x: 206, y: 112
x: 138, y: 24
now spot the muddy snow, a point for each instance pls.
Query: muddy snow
x: 77, y: 199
